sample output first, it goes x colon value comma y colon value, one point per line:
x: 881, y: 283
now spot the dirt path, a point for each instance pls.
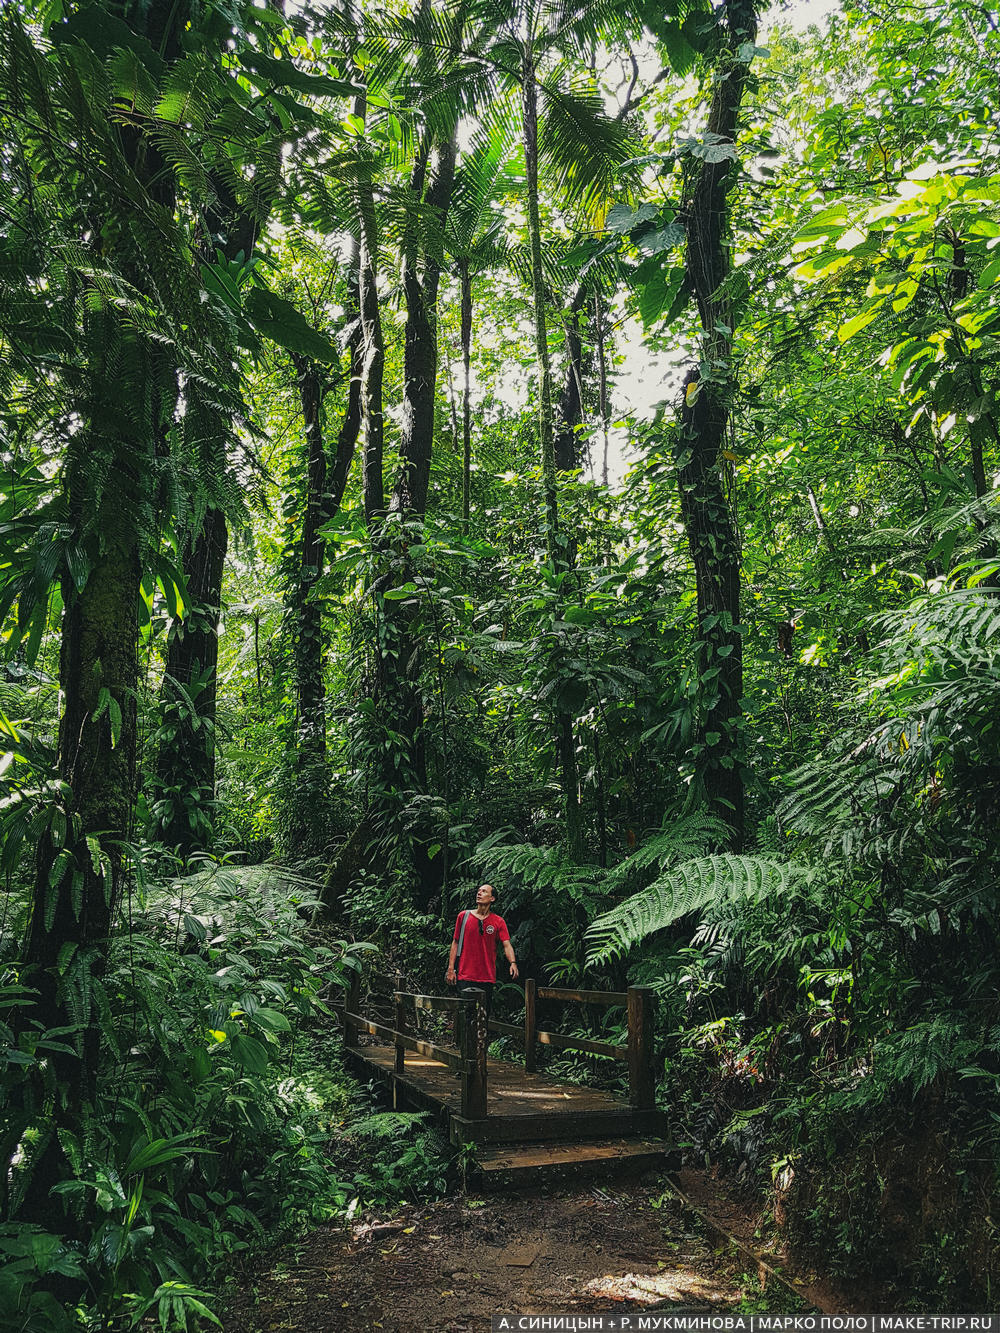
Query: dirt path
x: 446, y: 1268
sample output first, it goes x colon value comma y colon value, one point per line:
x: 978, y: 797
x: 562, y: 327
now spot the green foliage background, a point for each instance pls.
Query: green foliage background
x: 522, y: 693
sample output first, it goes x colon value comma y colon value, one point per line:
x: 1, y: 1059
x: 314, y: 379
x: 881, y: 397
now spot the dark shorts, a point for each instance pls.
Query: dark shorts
x: 466, y: 989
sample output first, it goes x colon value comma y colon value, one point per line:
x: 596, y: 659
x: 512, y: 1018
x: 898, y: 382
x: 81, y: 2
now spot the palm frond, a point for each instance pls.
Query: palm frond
x: 581, y: 144
x: 574, y: 24
x: 482, y: 179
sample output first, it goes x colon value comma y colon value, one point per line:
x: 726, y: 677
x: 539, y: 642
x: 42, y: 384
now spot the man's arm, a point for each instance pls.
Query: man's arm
x: 450, y: 974
x: 508, y: 949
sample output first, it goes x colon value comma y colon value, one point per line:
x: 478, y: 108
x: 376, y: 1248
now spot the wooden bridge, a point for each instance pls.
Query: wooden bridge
x: 525, y: 1126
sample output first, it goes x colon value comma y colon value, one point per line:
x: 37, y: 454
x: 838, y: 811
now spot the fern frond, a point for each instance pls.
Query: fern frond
x: 543, y: 869
x: 683, y: 839
x: 386, y: 1125
x: 708, y: 882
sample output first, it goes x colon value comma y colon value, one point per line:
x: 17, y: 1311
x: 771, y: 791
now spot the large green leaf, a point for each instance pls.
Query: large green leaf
x: 103, y: 31
x: 269, y: 73
x: 250, y: 1053
x: 275, y: 318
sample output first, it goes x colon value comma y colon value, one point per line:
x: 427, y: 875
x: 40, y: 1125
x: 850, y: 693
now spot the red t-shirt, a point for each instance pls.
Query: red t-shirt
x: 478, y: 959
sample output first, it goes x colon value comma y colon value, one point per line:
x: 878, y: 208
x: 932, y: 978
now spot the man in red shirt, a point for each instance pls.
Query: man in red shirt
x: 479, y: 931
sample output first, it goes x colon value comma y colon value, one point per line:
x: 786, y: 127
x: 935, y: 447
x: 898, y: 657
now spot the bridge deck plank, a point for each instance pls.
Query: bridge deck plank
x: 512, y: 1092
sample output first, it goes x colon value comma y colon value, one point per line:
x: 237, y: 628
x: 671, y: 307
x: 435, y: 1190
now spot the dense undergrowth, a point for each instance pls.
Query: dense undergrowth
x: 224, y: 1120
x: 828, y: 1013
x: 839, y: 1041
x: 827, y: 1041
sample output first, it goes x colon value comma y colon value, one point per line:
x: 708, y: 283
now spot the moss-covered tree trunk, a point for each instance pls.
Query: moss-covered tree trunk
x: 708, y: 513
x: 127, y: 398
x: 186, y: 755
x: 81, y: 859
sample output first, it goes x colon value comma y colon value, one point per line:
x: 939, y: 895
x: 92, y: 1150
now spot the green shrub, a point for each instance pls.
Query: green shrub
x: 215, y: 1111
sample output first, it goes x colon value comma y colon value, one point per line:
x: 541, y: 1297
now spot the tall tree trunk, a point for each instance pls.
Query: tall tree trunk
x: 420, y: 350
x: 546, y: 445
x: 326, y: 480
x: 80, y: 865
x: 186, y: 760
x: 80, y: 862
x: 421, y: 278
x: 466, y: 322
x: 602, y: 365
x: 325, y: 486
x: 373, y: 367
x: 350, y: 426
x: 311, y: 791
x: 555, y: 546
x: 310, y: 694
x: 568, y: 451
x: 709, y: 517
x: 350, y: 856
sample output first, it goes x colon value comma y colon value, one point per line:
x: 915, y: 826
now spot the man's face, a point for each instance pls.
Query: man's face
x: 484, y: 895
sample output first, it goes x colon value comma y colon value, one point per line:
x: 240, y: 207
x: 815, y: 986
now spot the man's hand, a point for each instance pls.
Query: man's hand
x: 513, y: 971
x: 450, y: 976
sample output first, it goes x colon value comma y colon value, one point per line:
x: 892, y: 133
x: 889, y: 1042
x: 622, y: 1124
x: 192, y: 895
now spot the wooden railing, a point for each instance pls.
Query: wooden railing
x: 469, y: 1058
x: 638, y: 1003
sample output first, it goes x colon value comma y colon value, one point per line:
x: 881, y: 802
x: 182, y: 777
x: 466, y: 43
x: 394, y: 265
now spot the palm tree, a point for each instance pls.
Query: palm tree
x: 564, y: 127
x: 474, y: 242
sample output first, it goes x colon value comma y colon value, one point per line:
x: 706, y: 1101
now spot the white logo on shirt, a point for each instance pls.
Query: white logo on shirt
x: 491, y: 930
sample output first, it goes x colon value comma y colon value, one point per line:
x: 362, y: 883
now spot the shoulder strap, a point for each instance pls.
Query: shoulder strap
x: 461, y: 933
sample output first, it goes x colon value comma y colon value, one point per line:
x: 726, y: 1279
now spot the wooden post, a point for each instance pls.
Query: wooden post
x: 400, y: 1026
x: 529, y: 1025
x: 482, y: 1043
x: 472, y: 1028
x: 641, y: 1086
x: 352, y: 1001
x: 465, y: 1050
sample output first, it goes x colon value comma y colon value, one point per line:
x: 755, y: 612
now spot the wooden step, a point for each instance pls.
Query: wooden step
x: 523, y: 1164
x: 570, y: 1126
